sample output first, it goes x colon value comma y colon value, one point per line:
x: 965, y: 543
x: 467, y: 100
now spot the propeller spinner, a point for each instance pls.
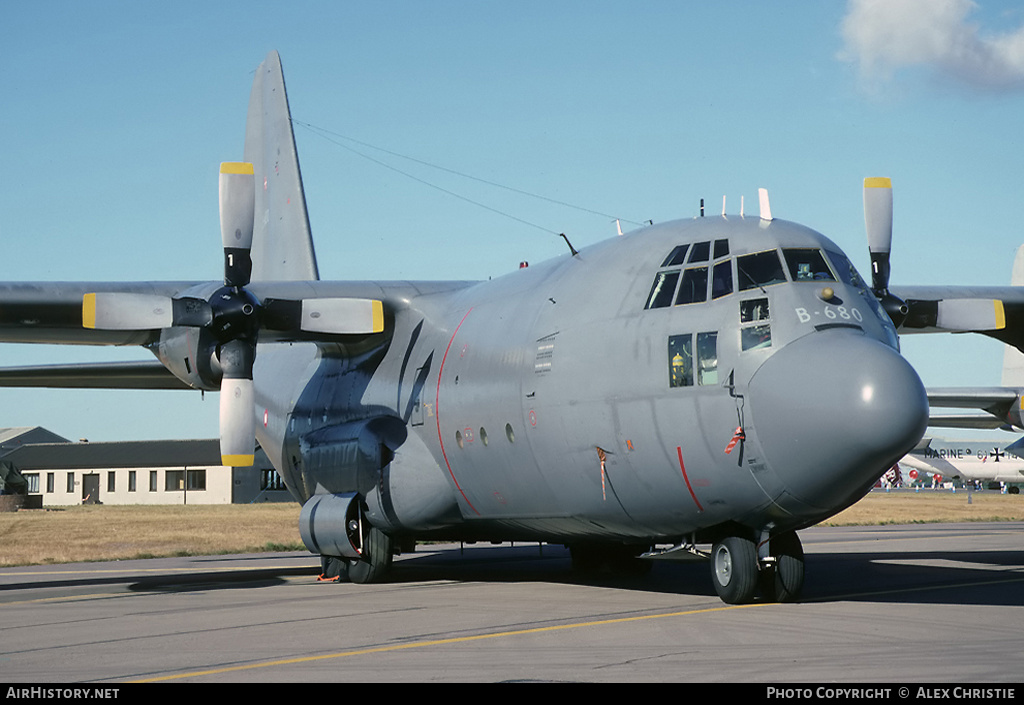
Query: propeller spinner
x: 234, y: 315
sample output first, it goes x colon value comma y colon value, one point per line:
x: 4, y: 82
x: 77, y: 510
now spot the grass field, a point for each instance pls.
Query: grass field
x: 103, y: 533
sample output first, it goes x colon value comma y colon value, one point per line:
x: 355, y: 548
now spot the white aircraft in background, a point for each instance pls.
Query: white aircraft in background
x: 967, y: 461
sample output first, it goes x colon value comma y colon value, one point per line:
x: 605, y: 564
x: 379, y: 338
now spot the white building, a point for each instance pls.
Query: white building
x: 135, y: 472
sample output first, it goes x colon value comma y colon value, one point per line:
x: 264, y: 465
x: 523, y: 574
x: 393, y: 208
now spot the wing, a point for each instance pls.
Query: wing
x: 52, y: 312
x: 1002, y: 407
x: 95, y: 375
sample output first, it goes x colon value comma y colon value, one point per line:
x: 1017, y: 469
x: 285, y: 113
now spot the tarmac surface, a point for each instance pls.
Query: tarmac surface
x: 939, y: 603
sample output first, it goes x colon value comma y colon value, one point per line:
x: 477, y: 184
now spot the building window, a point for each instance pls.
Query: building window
x: 197, y: 479
x: 111, y: 480
x: 33, y: 482
x: 174, y: 480
x: 271, y: 480
x: 49, y: 482
x: 71, y: 482
x: 152, y: 481
x: 131, y: 480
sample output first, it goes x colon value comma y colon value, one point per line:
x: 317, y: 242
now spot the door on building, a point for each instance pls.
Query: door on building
x: 91, y: 489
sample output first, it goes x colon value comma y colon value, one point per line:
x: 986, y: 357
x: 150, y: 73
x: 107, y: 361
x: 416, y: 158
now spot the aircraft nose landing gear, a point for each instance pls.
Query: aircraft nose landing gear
x: 737, y: 569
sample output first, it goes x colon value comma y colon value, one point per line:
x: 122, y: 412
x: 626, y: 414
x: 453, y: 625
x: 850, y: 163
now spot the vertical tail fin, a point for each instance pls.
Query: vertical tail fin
x: 1013, y: 359
x: 282, y: 246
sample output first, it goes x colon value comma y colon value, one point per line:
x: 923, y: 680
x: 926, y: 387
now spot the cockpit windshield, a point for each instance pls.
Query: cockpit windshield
x: 759, y: 269
x: 846, y: 271
x: 807, y: 265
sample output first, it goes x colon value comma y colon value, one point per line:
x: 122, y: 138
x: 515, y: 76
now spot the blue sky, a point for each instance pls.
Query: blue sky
x: 116, y: 115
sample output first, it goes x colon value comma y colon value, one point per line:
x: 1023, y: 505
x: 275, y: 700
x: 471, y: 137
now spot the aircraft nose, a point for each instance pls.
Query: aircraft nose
x: 832, y: 411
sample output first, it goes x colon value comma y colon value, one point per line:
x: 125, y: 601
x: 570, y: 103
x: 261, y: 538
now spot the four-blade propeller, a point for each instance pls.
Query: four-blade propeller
x: 234, y: 315
x: 955, y: 315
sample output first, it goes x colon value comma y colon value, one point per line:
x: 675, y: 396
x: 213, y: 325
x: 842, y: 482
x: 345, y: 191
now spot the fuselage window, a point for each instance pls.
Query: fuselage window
x: 721, y: 279
x: 694, y: 288
x: 807, y: 265
x: 707, y: 358
x: 680, y: 360
x: 721, y: 248
x: 759, y: 269
x: 663, y: 289
x: 701, y: 252
x: 676, y: 256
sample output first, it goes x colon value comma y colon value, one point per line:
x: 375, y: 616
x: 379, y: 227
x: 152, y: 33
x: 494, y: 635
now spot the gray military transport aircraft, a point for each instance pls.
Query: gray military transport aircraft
x: 723, y: 380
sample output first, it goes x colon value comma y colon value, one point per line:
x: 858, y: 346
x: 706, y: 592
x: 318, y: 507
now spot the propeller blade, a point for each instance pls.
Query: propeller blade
x: 337, y: 316
x: 237, y: 397
x: 237, y: 425
x: 878, y: 222
x: 119, y: 311
x: 237, y: 209
x: 970, y: 315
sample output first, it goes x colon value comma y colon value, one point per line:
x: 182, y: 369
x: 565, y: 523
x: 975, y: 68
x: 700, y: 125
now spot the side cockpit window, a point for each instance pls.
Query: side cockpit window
x: 695, y: 286
x: 676, y: 256
x: 663, y: 289
x: 695, y: 283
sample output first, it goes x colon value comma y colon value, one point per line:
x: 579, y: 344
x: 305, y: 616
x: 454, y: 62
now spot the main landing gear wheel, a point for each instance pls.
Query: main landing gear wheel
x: 734, y: 569
x: 785, y: 580
x: 377, y: 554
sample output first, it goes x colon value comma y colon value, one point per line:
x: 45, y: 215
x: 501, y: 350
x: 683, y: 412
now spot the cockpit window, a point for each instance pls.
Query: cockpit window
x: 694, y: 288
x: 721, y: 248
x: 846, y: 271
x: 701, y: 252
x: 759, y: 269
x: 806, y: 265
x: 721, y: 279
x: 676, y: 256
x: 663, y: 289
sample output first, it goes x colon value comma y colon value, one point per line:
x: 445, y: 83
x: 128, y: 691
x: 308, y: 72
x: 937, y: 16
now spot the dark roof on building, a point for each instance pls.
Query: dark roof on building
x: 128, y: 454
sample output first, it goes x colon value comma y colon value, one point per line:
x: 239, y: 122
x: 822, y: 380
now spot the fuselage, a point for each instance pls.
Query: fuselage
x: 673, y: 381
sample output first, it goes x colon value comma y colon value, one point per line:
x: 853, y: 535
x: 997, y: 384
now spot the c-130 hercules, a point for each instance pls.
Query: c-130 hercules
x: 724, y: 380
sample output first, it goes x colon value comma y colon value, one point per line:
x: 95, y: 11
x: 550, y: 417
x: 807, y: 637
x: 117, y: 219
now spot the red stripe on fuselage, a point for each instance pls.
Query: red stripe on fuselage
x: 437, y: 413
x: 679, y: 452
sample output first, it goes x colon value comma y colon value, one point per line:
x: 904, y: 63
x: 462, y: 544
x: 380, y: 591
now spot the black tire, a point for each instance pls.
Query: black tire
x: 378, y: 552
x: 734, y: 569
x: 787, y: 578
x: 333, y: 568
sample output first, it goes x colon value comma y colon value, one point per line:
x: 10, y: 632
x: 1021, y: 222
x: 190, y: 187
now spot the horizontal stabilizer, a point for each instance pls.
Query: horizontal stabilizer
x: 1002, y: 406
